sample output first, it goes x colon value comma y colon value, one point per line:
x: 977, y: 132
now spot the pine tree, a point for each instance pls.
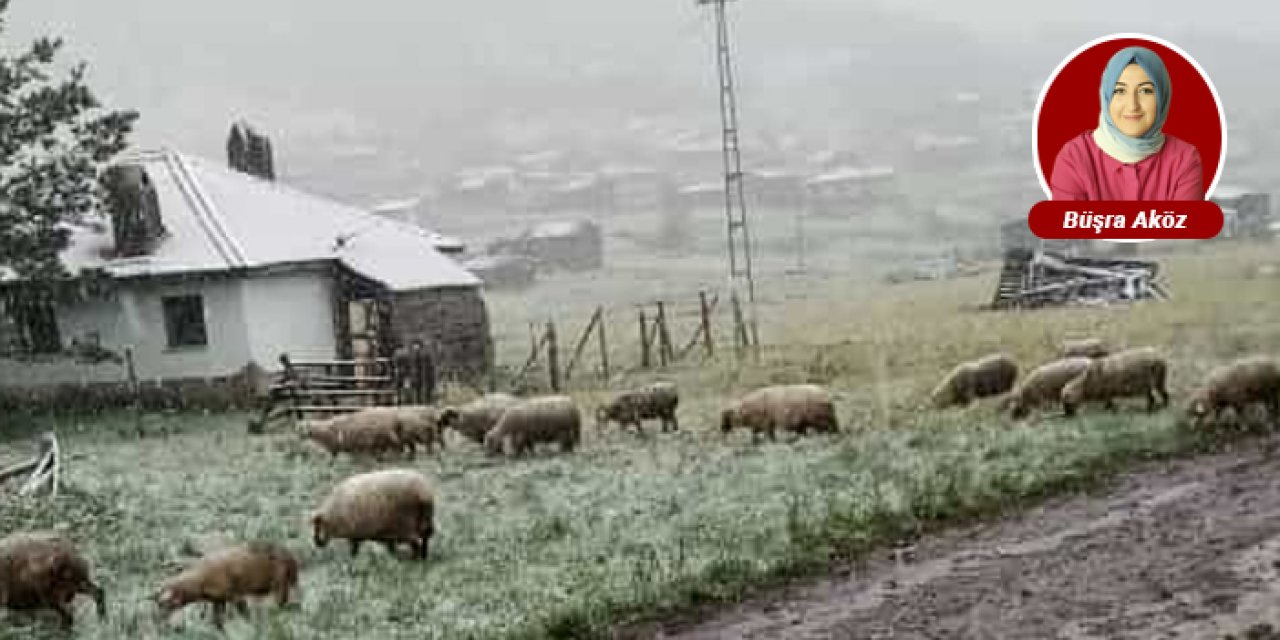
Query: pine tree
x: 54, y: 138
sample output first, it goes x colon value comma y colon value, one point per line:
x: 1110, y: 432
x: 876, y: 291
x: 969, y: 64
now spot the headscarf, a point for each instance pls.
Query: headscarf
x: 1109, y: 138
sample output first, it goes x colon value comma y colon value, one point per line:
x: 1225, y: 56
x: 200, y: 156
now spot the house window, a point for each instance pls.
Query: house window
x: 28, y: 324
x: 184, y: 321
x: 39, y: 327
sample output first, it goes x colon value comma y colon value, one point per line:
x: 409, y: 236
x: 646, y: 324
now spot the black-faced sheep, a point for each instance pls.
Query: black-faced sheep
x: 373, y: 430
x: 42, y: 570
x: 798, y: 408
x: 230, y: 575
x: 987, y: 376
x: 1044, y: 385
x: 658, y: 400
x: 1085, y: 348
x: 1253, y: 380
x: 390, y: 506
x: 546, y: 419
x: 474, y: 419
x: 1133, y: 372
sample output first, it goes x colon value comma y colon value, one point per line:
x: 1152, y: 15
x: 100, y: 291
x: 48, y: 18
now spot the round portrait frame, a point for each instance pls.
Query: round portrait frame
x: 1044, y: 91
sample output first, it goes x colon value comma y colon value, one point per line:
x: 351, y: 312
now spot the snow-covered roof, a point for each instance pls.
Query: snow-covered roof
x: 559, y: 228
x: 219, y: 219
x: 843, y: 174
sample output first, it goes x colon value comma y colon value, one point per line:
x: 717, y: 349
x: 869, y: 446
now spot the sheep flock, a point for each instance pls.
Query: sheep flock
x: 397, y: 506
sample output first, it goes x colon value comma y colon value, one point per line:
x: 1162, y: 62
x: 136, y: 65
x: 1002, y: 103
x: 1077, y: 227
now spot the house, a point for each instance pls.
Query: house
x: 236, y: 269
x: 572, y: 245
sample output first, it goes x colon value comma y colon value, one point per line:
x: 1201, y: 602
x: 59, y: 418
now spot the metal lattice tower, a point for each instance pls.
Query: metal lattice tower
x: 735, y: 207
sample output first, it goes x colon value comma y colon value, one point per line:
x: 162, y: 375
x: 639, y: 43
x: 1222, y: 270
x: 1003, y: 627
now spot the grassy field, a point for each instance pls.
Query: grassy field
x: 567, y: 545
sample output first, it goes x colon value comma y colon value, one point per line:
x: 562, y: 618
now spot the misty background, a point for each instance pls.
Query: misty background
x: 372, y: 101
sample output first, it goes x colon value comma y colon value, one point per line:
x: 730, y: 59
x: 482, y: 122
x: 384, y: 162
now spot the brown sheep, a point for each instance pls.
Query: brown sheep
x: 229, y: 575
x: 546, y: 419
x: 372, y: 430
x: 43, y: 570
x: 987, y: 376
x: 798, y: 408
x: 474, y: 419
x: 1085, y: 348
x: 390, y: 506
x: 1133, y: 372
x: 657, y: 400
x: 420, y: 425
x: 1044, y: 384
x: 1236, y: 385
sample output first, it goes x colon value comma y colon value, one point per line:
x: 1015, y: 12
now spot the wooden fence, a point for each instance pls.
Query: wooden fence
x: 657, y: 346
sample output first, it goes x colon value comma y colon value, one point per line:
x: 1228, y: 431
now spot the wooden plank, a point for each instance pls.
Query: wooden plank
x: 303, y: 393
x: 330, y: 408
x: 340, y: 363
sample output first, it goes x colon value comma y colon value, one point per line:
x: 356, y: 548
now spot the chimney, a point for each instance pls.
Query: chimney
x: 250, y: 152
x: 134, y: 208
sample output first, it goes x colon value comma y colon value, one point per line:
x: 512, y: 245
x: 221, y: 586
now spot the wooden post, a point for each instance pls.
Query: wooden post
x: 553, y: 357
x: 705, y: 312
x: 604, y: 346
x: 740, y: 327
x: 581, y: 344
x: 644, y: 341
x: 664, y: 337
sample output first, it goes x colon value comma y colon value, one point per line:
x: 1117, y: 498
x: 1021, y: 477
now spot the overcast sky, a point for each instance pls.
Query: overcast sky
x: 430, y: 71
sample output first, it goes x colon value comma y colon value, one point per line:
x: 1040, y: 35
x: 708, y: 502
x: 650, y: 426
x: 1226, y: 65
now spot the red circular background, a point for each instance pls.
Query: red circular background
x: 1071, y: 105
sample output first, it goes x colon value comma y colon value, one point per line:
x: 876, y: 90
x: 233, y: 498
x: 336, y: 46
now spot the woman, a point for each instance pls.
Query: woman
x: 1127, y: 157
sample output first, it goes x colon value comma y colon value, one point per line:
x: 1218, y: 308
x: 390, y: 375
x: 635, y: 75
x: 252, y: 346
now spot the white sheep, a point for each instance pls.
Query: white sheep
x: 390, y: 506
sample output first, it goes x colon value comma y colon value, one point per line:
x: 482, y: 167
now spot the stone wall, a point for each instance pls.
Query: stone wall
x: 453, y: 322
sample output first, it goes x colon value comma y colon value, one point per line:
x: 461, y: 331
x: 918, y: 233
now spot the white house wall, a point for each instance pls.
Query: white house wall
x: 289, y: 313
x: 134, y: 317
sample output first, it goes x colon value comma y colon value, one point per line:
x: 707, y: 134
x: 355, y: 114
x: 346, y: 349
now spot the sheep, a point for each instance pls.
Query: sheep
x: 474, y: 419
x: 1044, y: 384
x: 798, y: 408
x: 420, y: 424
x: 231, y: 574
x: 1238, y: 384
x: 536, y: 420
x: 43, y: 570
x: 1085, y: 348
x: 657, y: 400
x: 1140, y: 371
x: 987, y: 376
x: 373, y: 430
x: 390, y: 506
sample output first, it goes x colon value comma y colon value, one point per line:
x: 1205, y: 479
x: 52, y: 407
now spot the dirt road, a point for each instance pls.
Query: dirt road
x: 1184, y: 549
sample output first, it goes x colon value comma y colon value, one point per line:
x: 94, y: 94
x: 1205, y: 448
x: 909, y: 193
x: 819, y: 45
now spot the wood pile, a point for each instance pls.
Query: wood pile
x: 1032, y: 278
x: 41, y: 471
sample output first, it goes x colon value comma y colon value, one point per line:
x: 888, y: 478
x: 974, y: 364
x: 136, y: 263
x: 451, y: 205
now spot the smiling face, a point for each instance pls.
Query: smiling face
x: 1133, y: 102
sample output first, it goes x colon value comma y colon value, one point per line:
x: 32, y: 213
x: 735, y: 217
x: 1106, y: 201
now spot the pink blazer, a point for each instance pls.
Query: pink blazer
x: 1083, y: 171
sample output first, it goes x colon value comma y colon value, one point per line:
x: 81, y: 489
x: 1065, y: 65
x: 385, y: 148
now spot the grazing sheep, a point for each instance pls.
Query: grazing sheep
x: 420, y: 424
x: 43, y: 570
x: 988, y: 376
x: 474, y: 419
x: 798, y: 408
x: 1044, y: 384
x: 657, y: 400
x: 536, y: 420
x: 373, y: 430
x: 390, y: 506
x: 1133, y: 372
x: 230, y: 575
x: 1085, y: 348
x: 1237, y: 385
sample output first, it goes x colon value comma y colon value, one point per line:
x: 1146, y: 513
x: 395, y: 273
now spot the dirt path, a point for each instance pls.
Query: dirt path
x: 1185, y: 549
